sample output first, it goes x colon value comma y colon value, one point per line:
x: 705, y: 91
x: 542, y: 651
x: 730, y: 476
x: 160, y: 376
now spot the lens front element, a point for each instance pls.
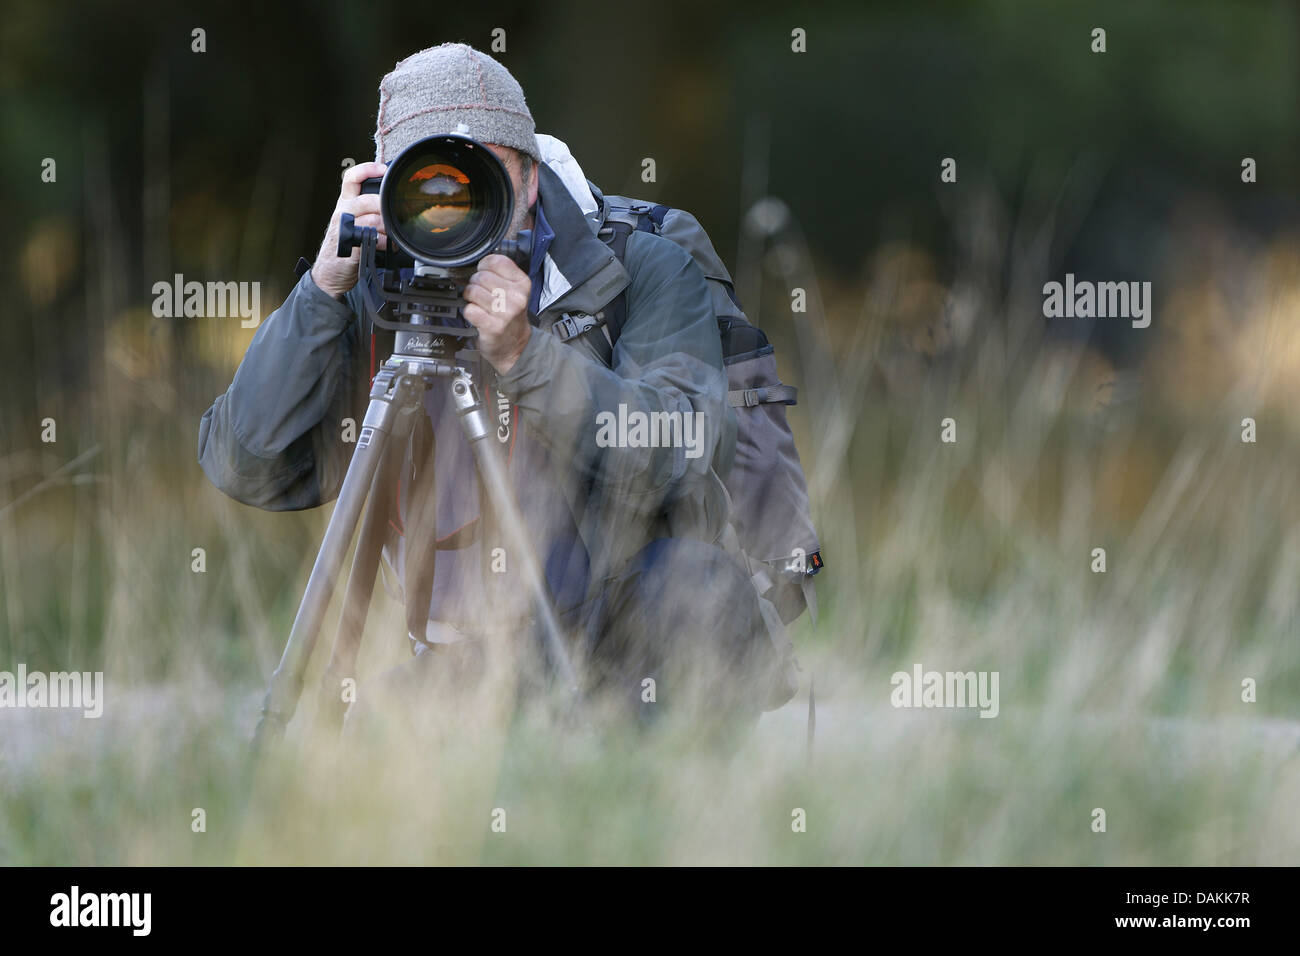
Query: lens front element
x: 447, y: 200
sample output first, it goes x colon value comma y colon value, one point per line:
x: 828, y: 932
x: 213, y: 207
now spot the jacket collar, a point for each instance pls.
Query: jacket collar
x: 580, y: 272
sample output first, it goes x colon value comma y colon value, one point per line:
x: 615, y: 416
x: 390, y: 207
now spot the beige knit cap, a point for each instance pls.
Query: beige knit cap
x: 431, y: 92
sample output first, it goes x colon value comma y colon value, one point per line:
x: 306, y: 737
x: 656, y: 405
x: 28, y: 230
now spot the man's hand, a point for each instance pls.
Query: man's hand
x: 497, y: 305
x: 334, y: 275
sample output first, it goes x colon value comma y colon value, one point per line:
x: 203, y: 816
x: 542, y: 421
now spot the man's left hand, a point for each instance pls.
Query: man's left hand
x: 496, y: 303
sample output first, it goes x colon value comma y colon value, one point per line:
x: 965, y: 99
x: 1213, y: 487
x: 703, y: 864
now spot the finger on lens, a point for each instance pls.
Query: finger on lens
x: 500, y: 265
x: 362, y: 205
x: 357, y: 174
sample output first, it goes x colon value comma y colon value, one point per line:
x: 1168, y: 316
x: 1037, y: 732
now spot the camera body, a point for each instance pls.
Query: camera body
x: 446, y: 202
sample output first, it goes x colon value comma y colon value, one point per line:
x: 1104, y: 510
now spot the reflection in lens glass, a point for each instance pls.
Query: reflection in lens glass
x: 434, y: 199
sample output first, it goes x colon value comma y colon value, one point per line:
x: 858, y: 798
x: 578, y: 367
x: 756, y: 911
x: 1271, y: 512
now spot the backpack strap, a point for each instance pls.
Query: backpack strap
x: 749, y: 397
x: 620, y: 222
x: 618, y: 230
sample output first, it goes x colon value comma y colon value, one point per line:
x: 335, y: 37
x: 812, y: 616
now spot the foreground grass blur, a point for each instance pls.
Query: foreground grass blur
x: 1120, y: 691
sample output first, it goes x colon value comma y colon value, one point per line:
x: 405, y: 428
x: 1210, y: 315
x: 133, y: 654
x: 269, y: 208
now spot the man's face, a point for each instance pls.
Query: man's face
x: 525, y: 192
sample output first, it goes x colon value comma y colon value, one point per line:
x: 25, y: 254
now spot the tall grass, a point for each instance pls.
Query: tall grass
x: 1120, y: 691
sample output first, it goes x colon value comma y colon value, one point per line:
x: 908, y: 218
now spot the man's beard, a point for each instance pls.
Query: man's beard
x: 523, y: 220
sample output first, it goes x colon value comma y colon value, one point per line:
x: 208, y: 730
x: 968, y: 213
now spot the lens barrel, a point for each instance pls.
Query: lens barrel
x: 447, y: 201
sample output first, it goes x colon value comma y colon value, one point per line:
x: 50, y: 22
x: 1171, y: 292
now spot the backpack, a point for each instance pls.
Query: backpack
x: 771, y: 524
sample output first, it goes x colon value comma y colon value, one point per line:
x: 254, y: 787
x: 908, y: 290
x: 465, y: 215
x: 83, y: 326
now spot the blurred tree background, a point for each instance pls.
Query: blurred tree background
x: 223, y: 164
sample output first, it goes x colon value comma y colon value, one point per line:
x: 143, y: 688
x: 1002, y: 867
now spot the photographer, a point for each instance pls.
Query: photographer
x: 628, y: 535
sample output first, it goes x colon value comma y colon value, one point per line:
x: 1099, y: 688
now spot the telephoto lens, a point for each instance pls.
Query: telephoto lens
x: 446, y: 201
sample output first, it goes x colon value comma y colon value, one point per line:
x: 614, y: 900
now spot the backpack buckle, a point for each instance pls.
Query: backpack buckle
x: 629, y: 215
x: 572, y: 324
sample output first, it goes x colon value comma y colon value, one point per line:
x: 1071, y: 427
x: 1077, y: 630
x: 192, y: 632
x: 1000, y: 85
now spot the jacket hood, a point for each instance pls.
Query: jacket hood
x: 580, y: 272
x: 555, y: 154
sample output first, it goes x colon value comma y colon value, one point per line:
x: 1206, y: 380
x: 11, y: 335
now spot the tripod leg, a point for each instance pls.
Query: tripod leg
x: 286, y: 683
x: 361, y: 586
x: 421, y: 532
x: 473, y: 418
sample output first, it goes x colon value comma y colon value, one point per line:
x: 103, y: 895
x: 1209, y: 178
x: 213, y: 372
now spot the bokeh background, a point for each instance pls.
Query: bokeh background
x: 816, y: 170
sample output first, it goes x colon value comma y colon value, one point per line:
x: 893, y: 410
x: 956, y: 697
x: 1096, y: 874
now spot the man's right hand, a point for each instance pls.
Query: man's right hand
x: 334, y: 275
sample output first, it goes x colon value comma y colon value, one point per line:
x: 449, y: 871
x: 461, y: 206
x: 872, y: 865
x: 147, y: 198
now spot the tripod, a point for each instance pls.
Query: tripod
x: 396, y: 405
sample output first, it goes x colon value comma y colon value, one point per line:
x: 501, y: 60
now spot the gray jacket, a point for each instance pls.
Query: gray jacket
x: 275, y: 438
